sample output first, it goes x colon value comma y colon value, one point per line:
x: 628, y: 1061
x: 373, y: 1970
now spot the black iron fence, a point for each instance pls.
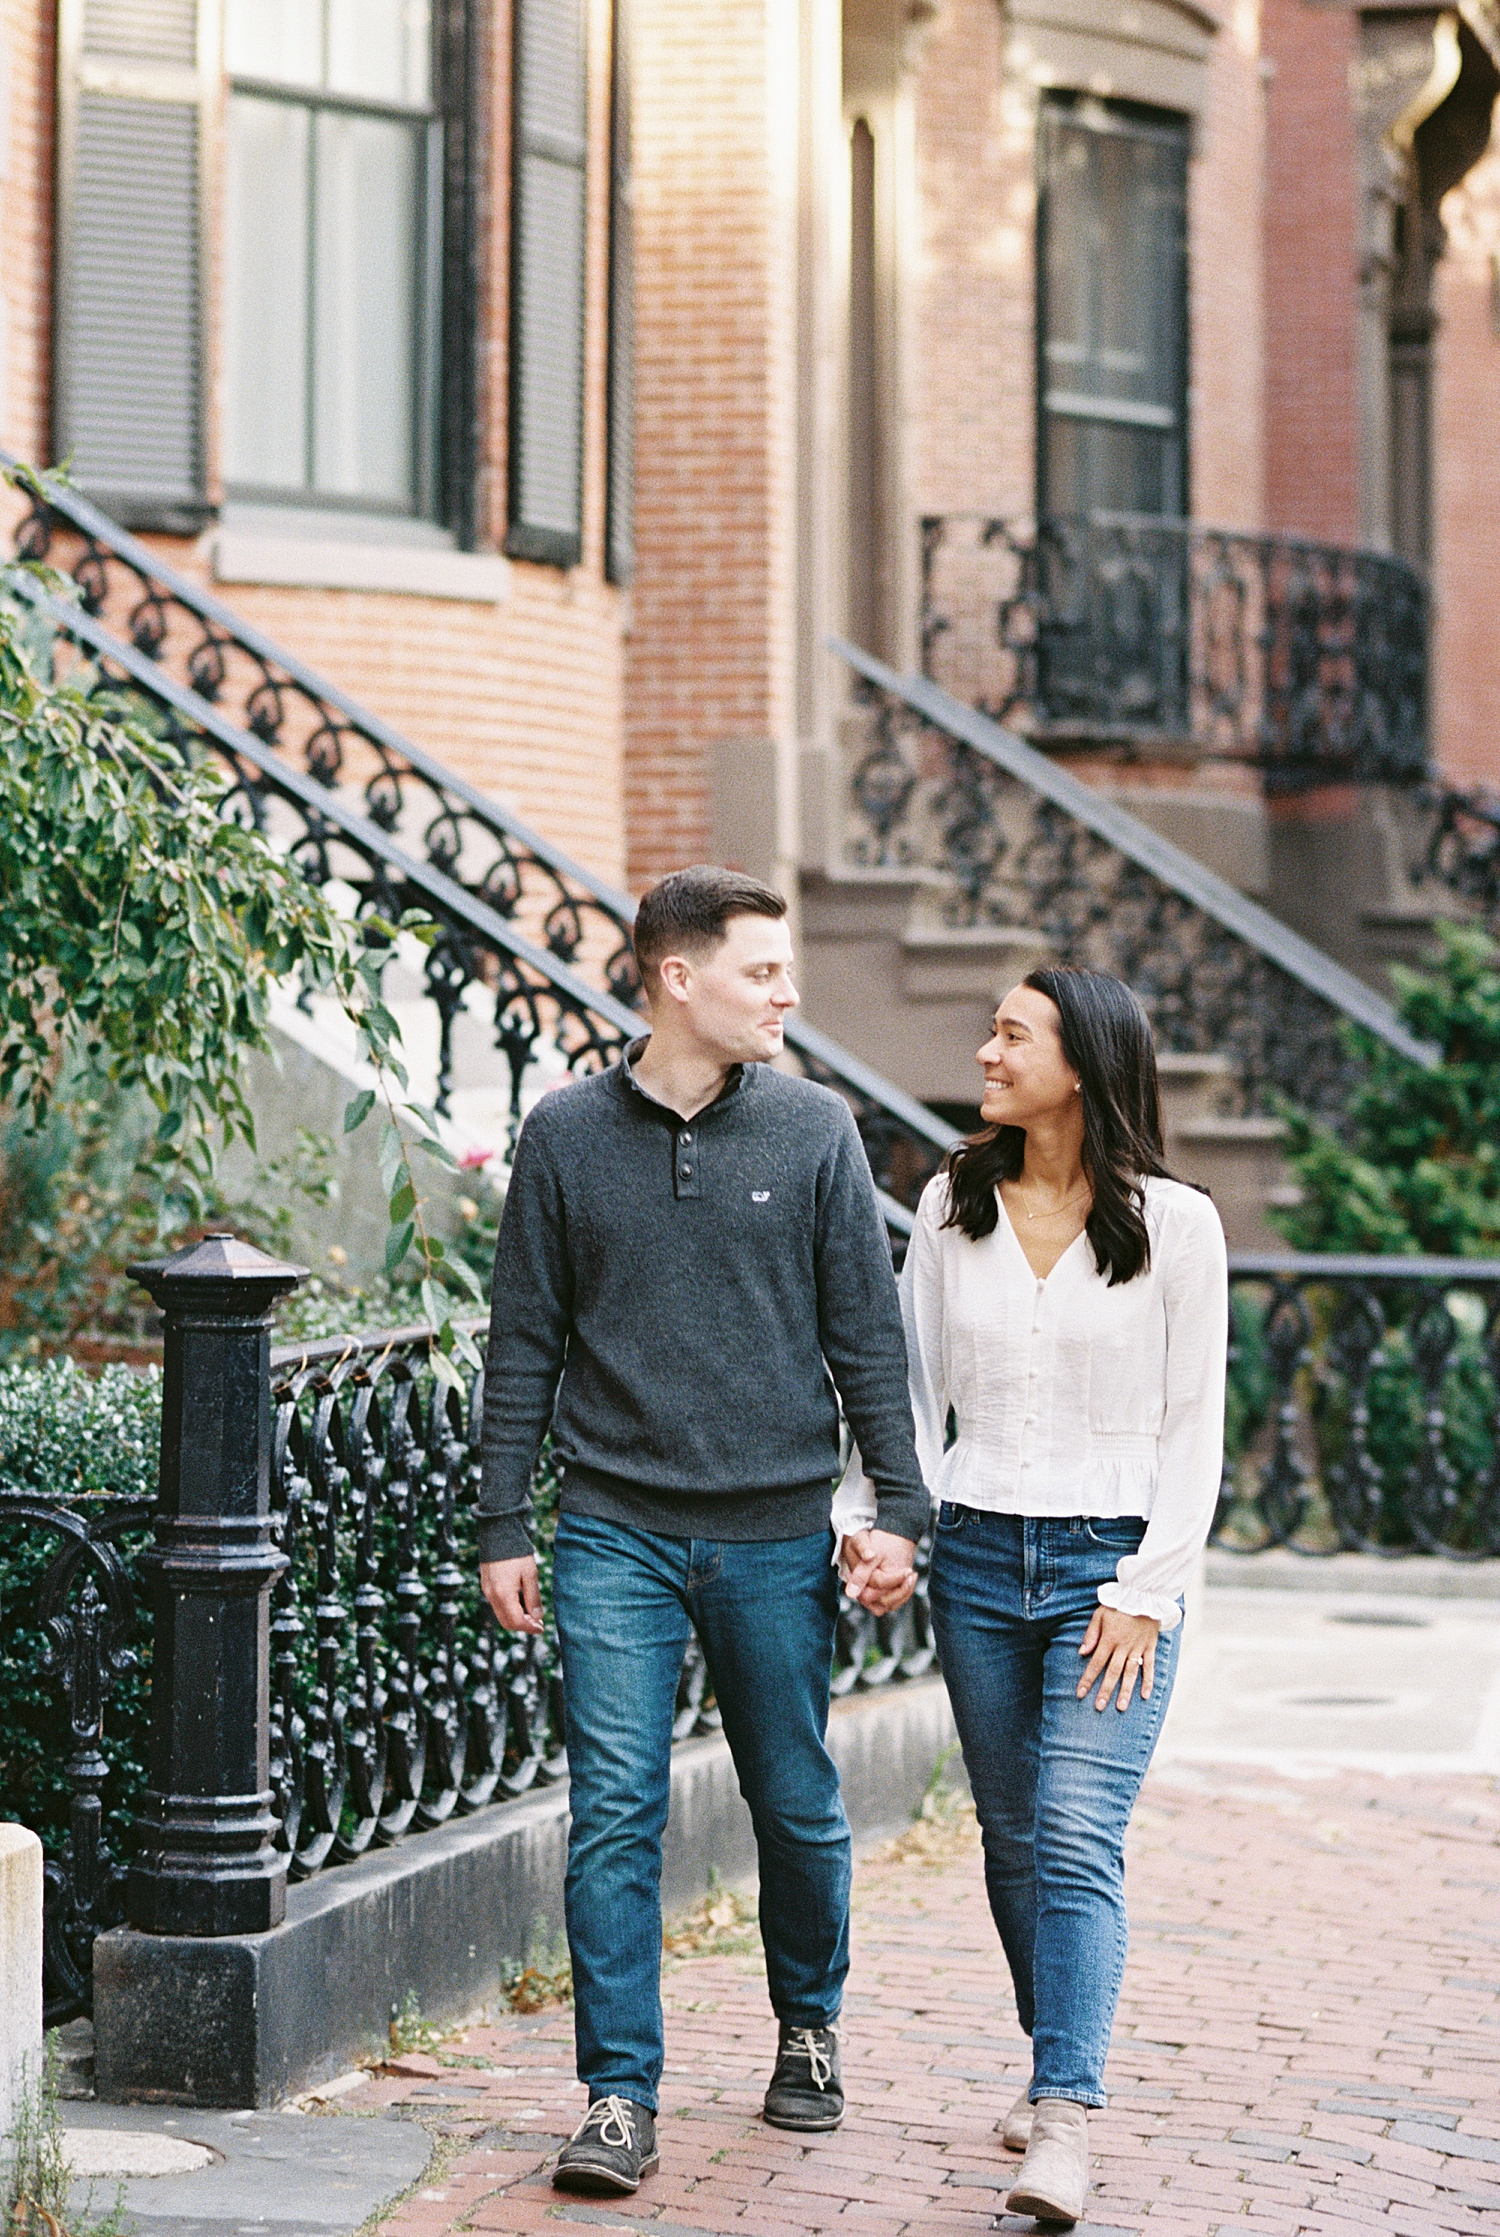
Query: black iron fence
x: 329, y: 1491
x: 1306, y: 660
x: 309, y: 1569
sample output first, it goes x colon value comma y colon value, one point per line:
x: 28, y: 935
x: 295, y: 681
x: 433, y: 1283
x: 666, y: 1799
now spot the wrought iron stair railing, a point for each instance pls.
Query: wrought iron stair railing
x: 1308, y: 661
x: 1023, y: 843
x: 533, y: 929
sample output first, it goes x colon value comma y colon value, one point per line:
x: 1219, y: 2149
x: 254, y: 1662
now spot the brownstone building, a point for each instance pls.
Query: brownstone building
x: 560, y: 375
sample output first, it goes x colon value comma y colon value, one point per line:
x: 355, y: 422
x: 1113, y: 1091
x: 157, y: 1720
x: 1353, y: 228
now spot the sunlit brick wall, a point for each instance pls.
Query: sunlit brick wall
x: 710, y: 647
x: 1466, y: 480
x: 973, y: 387
x: 26, y: 77
x: 1312, y: 276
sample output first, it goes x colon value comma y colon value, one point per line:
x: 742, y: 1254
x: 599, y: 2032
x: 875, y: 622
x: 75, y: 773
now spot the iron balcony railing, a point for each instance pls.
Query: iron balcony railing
x: 1163, y: 637
x: 1364, y: 1415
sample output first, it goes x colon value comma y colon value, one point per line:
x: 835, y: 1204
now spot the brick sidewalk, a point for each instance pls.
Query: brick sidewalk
x: 1308, y: 2041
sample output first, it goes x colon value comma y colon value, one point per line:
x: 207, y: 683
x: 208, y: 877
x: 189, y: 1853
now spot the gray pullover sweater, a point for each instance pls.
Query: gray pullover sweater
x: 672, y: 1296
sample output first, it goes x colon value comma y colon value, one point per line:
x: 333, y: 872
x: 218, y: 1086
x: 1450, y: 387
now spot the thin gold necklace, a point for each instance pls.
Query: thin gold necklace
x: 1056, y: 1210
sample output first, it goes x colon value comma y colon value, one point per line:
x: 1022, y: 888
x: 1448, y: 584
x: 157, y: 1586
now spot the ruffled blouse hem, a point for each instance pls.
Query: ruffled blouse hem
x: 1162, y: 1608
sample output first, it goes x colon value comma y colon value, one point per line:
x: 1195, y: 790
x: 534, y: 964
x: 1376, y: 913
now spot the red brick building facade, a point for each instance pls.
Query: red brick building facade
x: 825, y: 216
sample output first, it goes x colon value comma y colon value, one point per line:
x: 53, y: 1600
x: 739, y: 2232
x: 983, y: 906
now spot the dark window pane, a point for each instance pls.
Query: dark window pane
x: 1112, y: 315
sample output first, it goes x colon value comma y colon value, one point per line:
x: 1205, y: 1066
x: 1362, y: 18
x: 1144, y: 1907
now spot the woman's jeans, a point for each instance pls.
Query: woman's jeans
x: 765, y: 1615
x: 1054, y: 1779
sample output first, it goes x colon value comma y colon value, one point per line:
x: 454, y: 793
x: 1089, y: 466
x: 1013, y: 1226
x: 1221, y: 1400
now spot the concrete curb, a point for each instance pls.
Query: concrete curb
x: 249, y: 2020
x: 20, y: 1969
x: 1418, y: 1576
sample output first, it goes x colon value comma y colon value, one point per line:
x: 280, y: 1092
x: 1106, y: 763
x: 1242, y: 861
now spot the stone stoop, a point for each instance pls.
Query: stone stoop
x: 915, y: 997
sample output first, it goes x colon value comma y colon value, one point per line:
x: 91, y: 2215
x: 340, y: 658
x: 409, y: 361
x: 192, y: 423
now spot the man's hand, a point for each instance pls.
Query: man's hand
x: 877, y: 1570
x: 1124, y: 1649
x: 512, y: 1590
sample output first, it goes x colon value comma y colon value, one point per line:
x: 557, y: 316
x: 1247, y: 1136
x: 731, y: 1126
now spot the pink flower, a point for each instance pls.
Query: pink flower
x: 471, y: 1160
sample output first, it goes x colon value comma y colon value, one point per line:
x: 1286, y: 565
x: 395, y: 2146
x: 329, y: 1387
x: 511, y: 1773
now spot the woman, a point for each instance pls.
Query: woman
x: 1068, y: 1301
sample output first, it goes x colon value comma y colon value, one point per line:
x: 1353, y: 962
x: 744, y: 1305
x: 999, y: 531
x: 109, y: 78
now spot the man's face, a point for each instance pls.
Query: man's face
x: 735, y: 1000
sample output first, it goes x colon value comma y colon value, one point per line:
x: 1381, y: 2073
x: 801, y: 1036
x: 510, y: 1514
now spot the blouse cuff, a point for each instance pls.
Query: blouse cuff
x: 1130, y: 1600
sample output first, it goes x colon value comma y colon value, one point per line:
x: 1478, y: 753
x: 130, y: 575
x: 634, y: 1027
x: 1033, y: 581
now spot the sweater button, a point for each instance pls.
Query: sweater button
x: 685, y: 1139
x: 684, y: 1172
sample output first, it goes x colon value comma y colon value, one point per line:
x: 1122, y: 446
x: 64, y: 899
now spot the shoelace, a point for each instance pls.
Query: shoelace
x: 611, y: 2116
x: 805, y: 2039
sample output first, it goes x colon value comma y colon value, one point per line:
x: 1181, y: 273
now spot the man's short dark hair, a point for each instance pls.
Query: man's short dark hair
x: 689, y: 911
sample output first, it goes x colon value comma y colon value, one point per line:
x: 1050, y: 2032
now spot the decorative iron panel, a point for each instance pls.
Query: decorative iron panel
x: 1304, y: 660
x: 1025, y: 845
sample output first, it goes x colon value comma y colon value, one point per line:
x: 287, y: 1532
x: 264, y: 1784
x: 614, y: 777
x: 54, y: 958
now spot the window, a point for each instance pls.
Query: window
x: 333, y: 255
x: 1112, y: 310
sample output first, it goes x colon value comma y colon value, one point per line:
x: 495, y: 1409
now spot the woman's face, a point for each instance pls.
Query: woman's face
x: 1026, y: 1075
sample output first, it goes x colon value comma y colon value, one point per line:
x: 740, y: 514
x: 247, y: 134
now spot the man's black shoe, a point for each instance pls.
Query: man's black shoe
x: 610, y: 2149
x: 805, y: 2090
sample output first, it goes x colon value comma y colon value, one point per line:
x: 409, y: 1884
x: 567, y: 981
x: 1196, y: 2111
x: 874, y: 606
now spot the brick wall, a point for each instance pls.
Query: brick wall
x: 974, y: 393
x: 1227, y: 342
x: 523, y: 699
x: 26, y: 80
x: 709, y: 656
x: 1312, y: 277
x: 1466, y: 481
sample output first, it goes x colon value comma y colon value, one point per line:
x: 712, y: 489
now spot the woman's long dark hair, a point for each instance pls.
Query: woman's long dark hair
x: 1106, y: 1037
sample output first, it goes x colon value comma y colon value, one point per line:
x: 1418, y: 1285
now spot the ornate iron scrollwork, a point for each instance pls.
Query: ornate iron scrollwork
x: 526, y: 935
x: 1013, y: 858
x: 1307, y: 661
x: 1368, y: 1404
x: 83, y: 1605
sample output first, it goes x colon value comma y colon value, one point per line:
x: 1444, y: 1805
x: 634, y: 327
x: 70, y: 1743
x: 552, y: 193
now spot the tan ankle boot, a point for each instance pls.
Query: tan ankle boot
x: 1014, y: 2131
x: 1054, y: 2177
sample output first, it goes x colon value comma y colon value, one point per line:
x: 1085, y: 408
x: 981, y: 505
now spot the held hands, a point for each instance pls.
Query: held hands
x: 512, y: 1590
x: 877, y: 1570
x: 1124, y: 1649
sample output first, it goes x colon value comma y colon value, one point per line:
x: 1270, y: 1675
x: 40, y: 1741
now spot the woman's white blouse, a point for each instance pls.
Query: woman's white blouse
x: 1072, y: 1397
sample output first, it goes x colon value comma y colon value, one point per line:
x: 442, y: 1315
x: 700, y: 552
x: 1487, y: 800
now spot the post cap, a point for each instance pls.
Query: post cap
x: 218, y: 1270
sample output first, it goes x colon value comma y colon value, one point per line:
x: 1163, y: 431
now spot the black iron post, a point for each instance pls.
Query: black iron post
x: 205, y: 1860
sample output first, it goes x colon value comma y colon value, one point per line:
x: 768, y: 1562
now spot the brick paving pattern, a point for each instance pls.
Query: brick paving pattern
x: 1308, y: 2045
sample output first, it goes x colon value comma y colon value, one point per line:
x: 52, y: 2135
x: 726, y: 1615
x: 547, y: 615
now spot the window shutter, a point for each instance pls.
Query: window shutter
x: 133, y: 79
x: 547, y: 269
x: 619, y: 531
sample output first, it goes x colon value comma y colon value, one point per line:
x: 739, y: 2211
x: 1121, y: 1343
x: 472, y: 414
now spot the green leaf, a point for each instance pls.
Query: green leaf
x: 358, y: 1109
x: 445, y: 1370
x: 439, y: 1152
x: 464, y: 1273
x: 403, y: 1199
x: 397, y: 1244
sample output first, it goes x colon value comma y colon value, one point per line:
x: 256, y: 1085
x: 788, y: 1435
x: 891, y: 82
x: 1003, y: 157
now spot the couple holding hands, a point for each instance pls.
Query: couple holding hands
x: 691, y: 1262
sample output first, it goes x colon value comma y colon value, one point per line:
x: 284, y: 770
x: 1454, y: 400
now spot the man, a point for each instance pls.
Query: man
x: 687, y: 1239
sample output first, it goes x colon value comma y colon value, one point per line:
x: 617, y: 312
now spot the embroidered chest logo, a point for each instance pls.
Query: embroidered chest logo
x: 760, y: 1196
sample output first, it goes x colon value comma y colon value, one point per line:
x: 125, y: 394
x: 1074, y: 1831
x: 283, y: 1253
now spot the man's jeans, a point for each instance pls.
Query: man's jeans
x: 765, y: 1614
x: 1054, y: 1778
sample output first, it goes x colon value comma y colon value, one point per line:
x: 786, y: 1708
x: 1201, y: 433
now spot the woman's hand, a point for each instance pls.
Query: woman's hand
x: 1124, y: 1649
x: 877, y: 1569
